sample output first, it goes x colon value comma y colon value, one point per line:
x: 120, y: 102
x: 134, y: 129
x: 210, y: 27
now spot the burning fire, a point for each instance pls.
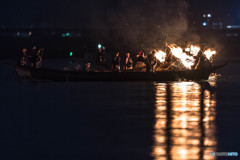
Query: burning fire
x: 186, y: 56
x: 161, y: 56
x: 187, y: 61
x: 193, y: 50
x: 209, y: 53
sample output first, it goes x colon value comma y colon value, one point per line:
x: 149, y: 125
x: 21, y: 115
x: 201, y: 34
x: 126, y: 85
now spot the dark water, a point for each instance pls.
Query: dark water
x: 119, y: 120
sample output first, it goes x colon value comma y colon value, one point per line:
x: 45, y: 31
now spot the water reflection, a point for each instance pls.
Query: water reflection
x: 185, y: 121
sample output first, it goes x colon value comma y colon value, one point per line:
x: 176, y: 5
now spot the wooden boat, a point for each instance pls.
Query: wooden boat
x: 62, y: 75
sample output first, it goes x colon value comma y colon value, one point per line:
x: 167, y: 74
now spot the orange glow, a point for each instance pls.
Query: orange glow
x: 187, y: 61
x: 185, y: 56
x: 186, y: 134
x: 193, y: 50
x: 161, y: 56
x: 209, y: 53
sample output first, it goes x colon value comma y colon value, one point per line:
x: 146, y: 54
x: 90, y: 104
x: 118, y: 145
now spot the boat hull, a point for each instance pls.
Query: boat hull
x: 61, y: 75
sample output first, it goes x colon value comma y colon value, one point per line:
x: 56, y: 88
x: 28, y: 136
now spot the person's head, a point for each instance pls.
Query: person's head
x: 100, y: 50
x: 117, y: 54
x: 34, y: 48
x: 24, y: 50
x: 128, y: 55
x: 153, y: 52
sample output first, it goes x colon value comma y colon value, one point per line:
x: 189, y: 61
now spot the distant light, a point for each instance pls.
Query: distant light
x: 204, y: 15
x: 67, y: 34
x: 99, y: 46
x: 209, y: 15
x: 204, y: 24
x: 233, y: 26
x: 63, y: 35
x: 71, y: 54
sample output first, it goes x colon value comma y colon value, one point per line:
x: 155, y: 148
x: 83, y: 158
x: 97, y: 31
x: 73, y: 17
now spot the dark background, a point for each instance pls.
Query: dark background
x: 124, y: 25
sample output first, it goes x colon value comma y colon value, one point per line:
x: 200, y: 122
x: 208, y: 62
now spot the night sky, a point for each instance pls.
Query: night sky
x: 78, y: 13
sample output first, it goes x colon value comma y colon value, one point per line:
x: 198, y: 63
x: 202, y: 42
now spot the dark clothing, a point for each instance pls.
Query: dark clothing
x: 128, y: 63
x: 140, y: 59
x: 23, y: 59
x: 169, y: 55
x: 151, y: 63
x: 100, y: 57
x: 116, y: 63
x: 33, y: 57
x: 200, y: 61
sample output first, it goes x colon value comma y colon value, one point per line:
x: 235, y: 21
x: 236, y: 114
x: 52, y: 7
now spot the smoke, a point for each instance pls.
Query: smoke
x: 146, y: 25
x: 150, y: 24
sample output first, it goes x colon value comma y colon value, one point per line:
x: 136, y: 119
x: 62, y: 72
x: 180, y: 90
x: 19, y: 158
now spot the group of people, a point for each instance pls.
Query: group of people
x: 139, y: 63
x: 148, y: 63
x: 129, y: 63
x: 31, y: 58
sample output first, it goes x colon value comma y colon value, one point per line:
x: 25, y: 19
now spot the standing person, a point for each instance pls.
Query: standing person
x: 87, y: 67
x: 128, y: 63
x: 23, y: 59
x: 41, y: 52
x: 116, y: 67
x: 100, y: 58
x: 38, y: 60
x: 33, y: 56
x: 201, y: 61
x: 151, y: 63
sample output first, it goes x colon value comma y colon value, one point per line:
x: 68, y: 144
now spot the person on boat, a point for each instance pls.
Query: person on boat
x: 140, y: 63
x: 141, y: 57
x: 38, y: 61
x: 201, y: 61
x: 169, y: 55
x: 33, y: 56
x: 128, y: 63
x: 151, y: 63
x: 100, y: 58
x: 116, y: 63
x: 41, y: 52
x: 87, y: 67
x: 24, y: 57
x: 170, y: 60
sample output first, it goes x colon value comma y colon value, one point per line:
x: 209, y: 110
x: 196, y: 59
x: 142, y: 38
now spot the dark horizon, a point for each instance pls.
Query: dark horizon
x: 106, y: 13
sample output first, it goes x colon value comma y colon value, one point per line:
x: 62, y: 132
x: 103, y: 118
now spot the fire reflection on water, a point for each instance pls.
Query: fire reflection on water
x: 185, y: 121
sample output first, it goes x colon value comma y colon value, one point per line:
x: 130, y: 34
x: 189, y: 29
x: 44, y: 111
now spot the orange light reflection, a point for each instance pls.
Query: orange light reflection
x: 185, y: 122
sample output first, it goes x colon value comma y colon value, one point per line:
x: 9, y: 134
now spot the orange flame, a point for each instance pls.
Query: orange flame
x: 161, y: 56
x: 187, y: 61
x: 186, y: 56
x: 209, y: 53
x: 194, y: 50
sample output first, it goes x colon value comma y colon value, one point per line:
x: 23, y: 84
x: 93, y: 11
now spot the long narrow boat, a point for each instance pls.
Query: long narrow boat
x: 61, y: 75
